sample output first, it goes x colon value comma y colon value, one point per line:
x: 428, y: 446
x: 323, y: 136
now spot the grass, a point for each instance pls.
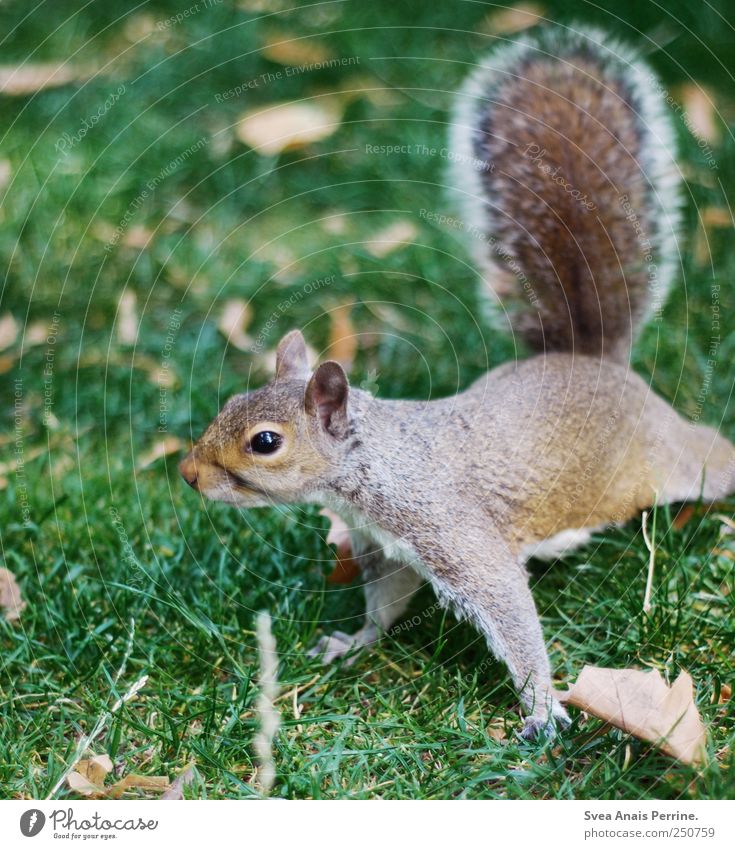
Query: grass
x: 121, y: 567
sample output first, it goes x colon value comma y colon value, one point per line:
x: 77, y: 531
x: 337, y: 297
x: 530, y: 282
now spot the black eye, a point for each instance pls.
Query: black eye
x: 266, y: 442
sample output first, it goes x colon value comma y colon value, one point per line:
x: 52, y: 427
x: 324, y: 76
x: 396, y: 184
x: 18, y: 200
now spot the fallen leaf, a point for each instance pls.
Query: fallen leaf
x: 137, y: 782
x: 8, y: 331
x: 289, y: 49
x: 138, y: 237
x: 29, y: 77
x: 342, y: 336
x: 11, y: 601
x: 345, y: 567
x: 35, y: 333
x: 285, y: 126
x: 94, y: 769
x: 88, y: 775
x: 514, y: 19
x: 716, y: 216
x: 88, y: 779
x: 725, y: 694
x: 683, y: 516
x: 234, y: 321
x: 176, y: 789
x: 127, y: 318
x: 79, y: 784
x: 161, y: 448
x: 699, y: 111
x: 497, y: 733
x: 6, y: 172
x: 642, y: 704
x: 391, y: 238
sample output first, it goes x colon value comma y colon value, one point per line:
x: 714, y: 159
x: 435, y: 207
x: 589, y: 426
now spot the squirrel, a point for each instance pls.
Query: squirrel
x: 562, y: 160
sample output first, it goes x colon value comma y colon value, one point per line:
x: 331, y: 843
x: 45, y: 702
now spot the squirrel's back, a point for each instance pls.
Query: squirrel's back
x: 563, y: 160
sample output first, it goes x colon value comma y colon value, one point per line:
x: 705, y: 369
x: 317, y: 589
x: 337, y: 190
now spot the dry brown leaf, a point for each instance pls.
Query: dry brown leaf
x: 642, y: 704
x: 161, y: 448
x: 94, y: 769
x: 138, y: 237
x: 342, y: 336
x: 29, y: 77
x: 345, y: 567
x: 514, y: 19
x: 11, y: 601
x: 35, y: 333
x: 284, y: 126
x: 234, y: 321
x: 700, y: 111
x: 127, y: 318
x: 497, y: 732
x: 79, y: 784
x: 175, y: 791
x: 289, y: 49
x: 88, y: 775
x: 8, y: 331
x: 725, y: 694
x: 132, y: 781
x: 391, y: 238
x: 716, y: 216
x: 684, y: 516
x: 88, y: 779
x: 6, y: 172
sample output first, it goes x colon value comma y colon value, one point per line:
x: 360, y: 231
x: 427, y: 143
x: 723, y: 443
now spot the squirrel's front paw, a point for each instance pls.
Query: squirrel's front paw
x: 330, y: 647
x: 545, y: 725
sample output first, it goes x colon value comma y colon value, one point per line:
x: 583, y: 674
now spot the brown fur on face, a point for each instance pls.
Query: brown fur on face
x: 310, y: 417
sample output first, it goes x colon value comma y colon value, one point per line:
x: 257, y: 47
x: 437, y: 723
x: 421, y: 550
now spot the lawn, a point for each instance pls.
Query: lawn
x: 130, y: 177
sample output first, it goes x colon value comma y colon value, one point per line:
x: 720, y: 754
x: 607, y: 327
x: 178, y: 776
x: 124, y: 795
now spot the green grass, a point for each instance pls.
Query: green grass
x: 98, y: 545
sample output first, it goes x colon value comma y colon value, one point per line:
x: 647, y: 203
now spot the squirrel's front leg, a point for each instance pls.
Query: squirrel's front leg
x: 389, y: 585
x: 487, y: 585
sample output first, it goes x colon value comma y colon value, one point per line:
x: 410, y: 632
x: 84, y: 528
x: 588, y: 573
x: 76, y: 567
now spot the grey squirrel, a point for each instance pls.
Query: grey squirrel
x: 563, y: 161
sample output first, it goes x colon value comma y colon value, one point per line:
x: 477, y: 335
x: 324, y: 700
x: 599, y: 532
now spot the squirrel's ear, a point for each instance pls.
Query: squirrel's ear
x: 291, y: 359
x: 326, y: 397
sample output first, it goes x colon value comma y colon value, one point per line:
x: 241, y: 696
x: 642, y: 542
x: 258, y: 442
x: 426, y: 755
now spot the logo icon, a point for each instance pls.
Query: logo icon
x: 31, y: 822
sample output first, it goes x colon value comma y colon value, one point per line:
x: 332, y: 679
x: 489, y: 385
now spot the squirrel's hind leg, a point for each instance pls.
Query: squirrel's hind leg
x: 389, y: 586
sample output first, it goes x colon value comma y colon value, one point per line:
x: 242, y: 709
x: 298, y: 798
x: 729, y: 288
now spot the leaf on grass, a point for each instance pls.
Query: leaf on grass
x: 35, y: 333
x: 700, y: 111
x: 127, y: 318
x: 285, y: 126
x: 391, y: 238
x: 342, y: 337
x: 234, y: 321
x: 716, y: 216
x: 176, y: 790
x: 8, y: 331
x: 345, y: 567
x: 6, y: 172
x: 132, y: 781
x: 161, y: 448
x: 88, y: 779
x: 289, y: 49
x: 29, y: 77
x: 88, y: 775
x: 642, y: 704
x: 514, y: 19
x: 138, y: 237
x: 11, y: 601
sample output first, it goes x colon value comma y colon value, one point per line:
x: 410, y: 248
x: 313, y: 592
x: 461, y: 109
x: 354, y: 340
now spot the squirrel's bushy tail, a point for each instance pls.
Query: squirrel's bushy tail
x: 563, y: 157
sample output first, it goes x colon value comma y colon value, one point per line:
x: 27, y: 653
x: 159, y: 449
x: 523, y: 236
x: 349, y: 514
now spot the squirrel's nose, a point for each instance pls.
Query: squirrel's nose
x: 188, y: 469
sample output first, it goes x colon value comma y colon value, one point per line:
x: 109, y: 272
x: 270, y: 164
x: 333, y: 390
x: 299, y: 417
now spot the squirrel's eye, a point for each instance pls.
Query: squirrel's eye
x: 266, y: 442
